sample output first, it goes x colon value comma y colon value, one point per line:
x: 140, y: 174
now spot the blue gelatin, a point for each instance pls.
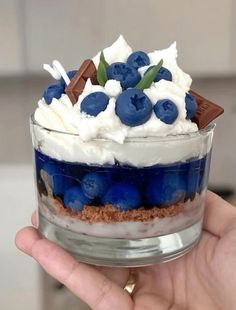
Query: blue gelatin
x: 204, y: 173
x: 157, y: 185
x: 60, y: 181
x: 193, y: 178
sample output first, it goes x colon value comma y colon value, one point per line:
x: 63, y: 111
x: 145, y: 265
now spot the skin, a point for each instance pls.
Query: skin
x: 205, y: 278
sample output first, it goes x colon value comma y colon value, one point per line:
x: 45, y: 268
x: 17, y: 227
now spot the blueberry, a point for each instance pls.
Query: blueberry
x: 166, y: 189
x: 162, y: 74
x: 94, y: 185
x: 60, y: 182
x: 190, y: 105
x: 75, y: 199
x: 133, y: 107
x: 138, y: 59
x: 70, y: 74
x: 94, y: 103
x: 166, y: 110
x: 127, y: 75
x: 53, y: 91
x: 122, y: 196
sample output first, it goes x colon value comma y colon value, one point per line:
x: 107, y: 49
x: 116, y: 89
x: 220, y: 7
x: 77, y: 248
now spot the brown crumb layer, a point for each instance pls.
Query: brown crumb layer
x: 108, y: 214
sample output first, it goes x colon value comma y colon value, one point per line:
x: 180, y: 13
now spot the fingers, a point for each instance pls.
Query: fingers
x: 25, y: 238
x: 83, y: 280
x: 34, y: 219
x: 152, y: 302
x: 220, y: 216
x: 118, y: 275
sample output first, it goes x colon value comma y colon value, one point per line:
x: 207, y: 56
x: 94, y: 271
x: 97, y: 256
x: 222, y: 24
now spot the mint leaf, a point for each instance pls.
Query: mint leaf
x: 102, y: 70
x: 148, y: 78
x: 102, y: 58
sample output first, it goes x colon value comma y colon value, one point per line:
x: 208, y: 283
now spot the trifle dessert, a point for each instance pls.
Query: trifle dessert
x: 122, y: 153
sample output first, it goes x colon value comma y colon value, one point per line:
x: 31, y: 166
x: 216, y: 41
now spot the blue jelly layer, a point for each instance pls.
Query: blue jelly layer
x: 125, y: 187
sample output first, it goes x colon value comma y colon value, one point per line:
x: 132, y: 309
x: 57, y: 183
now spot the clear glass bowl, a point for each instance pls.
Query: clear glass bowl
x: 130, y: 204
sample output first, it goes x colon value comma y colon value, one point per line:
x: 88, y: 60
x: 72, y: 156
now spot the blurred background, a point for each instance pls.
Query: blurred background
x: 35, y: 32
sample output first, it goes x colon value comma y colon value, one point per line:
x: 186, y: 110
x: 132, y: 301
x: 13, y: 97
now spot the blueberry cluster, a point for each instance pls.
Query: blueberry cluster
x: 124, y: 187
x: 133, y: 106
x: 91, y: 189
x: 56, y: 90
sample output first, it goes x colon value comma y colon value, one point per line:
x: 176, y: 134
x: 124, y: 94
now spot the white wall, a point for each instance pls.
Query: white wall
x: 19, y: 285
x: 11, y: 59
x: 34, y: 32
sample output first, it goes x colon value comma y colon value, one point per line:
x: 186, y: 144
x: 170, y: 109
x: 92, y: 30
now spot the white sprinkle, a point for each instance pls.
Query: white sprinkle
x: 57, y: 71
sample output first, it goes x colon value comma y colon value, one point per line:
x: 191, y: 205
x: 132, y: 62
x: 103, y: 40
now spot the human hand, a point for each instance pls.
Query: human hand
x: 205, y: 278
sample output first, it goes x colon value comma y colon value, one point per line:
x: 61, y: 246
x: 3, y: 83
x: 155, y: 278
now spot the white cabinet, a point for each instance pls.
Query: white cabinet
x: 69, y: 31
x: 35, y: 32
x: 19, y: 285
x: 202, y: 30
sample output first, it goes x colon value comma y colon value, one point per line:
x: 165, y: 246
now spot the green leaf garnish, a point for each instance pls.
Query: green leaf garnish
x: 102, y: 58
x: 149, y: 77
x: 102, y: 70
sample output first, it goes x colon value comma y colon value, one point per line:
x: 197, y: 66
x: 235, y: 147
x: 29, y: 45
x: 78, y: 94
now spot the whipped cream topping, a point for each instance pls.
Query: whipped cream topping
x: 61, y: 115
x: 118, y: 51
x: 169, y: 56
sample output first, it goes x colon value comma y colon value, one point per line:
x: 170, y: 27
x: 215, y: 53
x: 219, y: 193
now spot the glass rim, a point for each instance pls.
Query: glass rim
x: 202, y: 132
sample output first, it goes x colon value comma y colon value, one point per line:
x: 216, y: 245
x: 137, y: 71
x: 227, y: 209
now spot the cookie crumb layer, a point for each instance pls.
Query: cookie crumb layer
x: 109, y: 214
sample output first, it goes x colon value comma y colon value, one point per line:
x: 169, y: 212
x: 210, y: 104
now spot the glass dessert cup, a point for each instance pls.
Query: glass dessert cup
x: 131, y: 204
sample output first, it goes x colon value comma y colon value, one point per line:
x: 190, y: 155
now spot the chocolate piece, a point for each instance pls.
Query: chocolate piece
x: 86, y: 70
x: 75, y: 88
x: 109, y: 214
x: 207, y: 111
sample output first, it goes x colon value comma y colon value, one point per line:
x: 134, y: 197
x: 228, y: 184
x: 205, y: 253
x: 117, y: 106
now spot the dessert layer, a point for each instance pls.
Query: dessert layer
x: 122, y: 186
x: 192, y: 212
x: 61, y: 115
x: 99, y: 152
x: 109, y: 214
